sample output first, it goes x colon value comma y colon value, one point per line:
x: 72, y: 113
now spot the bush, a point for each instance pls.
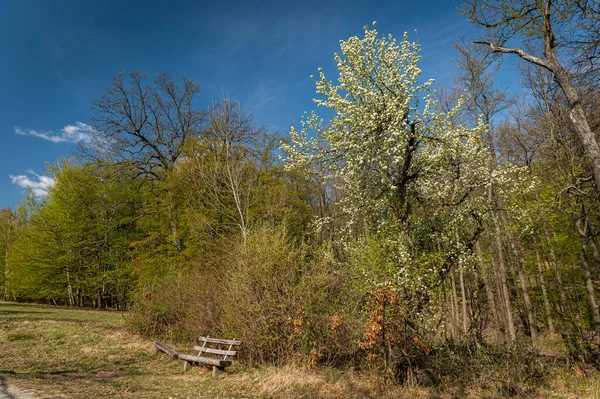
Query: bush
x: 511, y: 371
x: 287, y: 303
x: 159, y: 306
x: 174, y: 298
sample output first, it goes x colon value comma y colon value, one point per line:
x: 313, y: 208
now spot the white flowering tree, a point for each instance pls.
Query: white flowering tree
x: 411, y: 186
x: 403, y: 168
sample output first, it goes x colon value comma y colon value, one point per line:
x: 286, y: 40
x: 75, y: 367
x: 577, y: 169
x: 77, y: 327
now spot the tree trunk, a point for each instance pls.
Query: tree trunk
x: 563, y: 297
x: 488, y: 288
x: 70, y: 288
x: 175, y: 241
x: 503, y: 281
x: 6, y: 275
x: 545, y: 295
x: 465, y: 316
x: 593, y: 246
x: 525, y: 290
x: 455, y: 315
x: 589, y: 285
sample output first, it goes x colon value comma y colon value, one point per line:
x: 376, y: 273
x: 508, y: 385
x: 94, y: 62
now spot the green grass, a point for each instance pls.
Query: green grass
x: 84, y: 353
x: 72, y: 353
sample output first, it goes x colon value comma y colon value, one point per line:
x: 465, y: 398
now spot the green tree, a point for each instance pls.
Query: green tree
x: 76, y: 243
x: 10, y: 227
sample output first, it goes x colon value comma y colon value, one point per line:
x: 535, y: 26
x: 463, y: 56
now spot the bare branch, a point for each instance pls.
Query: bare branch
x: 520, y: 52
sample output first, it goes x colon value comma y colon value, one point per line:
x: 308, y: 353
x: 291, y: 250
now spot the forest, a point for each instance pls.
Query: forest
x: 424, y: 232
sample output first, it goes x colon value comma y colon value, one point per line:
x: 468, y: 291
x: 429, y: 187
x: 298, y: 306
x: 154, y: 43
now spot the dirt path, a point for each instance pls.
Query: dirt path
x: 7, y: 392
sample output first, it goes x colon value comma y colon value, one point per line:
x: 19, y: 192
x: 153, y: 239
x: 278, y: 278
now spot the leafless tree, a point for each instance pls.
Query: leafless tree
x: 547, y: 25
x: 145, y: 123
x: 225, y: 166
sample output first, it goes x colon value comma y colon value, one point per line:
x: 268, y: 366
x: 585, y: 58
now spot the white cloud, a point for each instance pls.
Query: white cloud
x: 79, y: 132
x: 37, y: 183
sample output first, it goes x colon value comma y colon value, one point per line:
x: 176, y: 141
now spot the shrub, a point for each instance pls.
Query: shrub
x: 287, y: 303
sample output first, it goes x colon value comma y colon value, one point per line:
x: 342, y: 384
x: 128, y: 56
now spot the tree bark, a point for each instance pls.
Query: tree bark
x: 545, y: 295
x: 589, y: 285
x: 488, y: 288
x: 525, y: 290
x: 503, y: 281
x: 561, y: 290
x: 465, y: 315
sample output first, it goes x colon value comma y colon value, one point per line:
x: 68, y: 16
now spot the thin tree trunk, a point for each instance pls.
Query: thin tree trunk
x: 503, y: 280
x: 545, y: 295
x: 589, y: 285
x: 175, y: 240
x: 448, y: 311
x: 525, y: 291
x: 465, y: 316
x: 592, y: 244
x: 488, y: 288
x: 6, y: 275
x: 561, y: 290
x: 456, y: 317
x: 69, y: 288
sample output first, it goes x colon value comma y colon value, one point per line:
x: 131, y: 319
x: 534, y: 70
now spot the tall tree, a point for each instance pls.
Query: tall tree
x: 145, y: 124
x: 552, y: 24
x: 229, y: 173
x: 9, y: 230
x: 406, y: 175
x: 76, y: 241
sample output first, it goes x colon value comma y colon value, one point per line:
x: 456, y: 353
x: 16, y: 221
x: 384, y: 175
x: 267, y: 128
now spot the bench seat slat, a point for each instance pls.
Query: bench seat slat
x: 205, y: 360
x: 161, y: 346
x: 215, y: 351
x: 219, y: 341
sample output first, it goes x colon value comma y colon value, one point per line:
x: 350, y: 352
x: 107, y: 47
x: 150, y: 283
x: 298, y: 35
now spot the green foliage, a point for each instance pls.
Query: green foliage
x: 288, y: 303
x: 73, y: 248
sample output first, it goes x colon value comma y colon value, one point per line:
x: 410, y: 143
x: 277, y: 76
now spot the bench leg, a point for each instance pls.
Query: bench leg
x: 217, y: 370
x: 186, y: 365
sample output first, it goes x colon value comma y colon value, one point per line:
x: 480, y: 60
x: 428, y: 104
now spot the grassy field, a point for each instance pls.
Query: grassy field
x: 65, y: 353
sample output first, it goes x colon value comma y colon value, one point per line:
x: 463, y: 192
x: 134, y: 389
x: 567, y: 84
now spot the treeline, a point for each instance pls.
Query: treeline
x: 408, y: 227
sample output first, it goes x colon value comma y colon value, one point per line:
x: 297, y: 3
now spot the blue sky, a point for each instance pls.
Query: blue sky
x: 59, y: 55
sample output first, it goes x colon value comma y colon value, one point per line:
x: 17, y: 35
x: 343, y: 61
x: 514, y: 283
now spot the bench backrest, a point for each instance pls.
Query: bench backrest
x: 213, y: 346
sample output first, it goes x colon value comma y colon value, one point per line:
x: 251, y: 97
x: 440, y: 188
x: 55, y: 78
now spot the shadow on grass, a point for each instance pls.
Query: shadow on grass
x: 77, y: 316
x: 19, y: 319
x: 19, y: 311
x: 101, y: 374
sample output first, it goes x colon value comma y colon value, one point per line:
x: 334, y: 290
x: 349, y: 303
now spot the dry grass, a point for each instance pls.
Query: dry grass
x: 63, y: 353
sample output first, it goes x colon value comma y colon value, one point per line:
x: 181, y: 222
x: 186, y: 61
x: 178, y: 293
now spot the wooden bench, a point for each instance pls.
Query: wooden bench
x: 211, y: 353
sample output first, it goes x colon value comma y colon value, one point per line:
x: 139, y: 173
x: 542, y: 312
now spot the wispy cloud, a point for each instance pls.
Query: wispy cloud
x: 79, y: 132
x: 37, y: 183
